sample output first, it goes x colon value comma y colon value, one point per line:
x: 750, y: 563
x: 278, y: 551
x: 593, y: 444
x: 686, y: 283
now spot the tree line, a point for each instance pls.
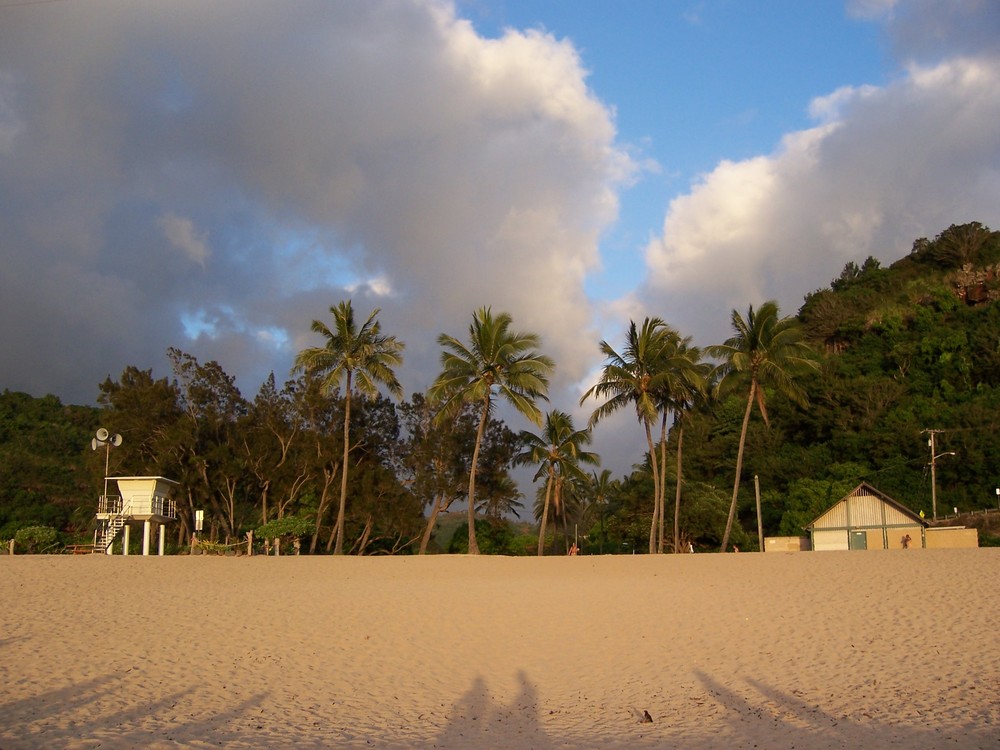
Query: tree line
x: 809, y: 405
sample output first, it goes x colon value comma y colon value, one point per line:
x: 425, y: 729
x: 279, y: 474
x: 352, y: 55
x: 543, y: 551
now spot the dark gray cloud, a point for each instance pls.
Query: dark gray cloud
x: 213, y: 176
x: 930, y: 31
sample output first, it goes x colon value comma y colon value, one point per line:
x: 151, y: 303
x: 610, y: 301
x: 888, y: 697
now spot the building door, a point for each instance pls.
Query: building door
x: 859, y: 540
x: 829, y: 539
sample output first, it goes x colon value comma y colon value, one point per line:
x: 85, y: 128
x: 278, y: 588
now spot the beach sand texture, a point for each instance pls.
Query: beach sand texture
x: 808, y: 650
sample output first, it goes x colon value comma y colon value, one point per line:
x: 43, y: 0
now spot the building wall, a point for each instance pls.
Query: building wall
x: 896, y: 535
x: 951, y: 537
x: 786, y: 544
x: 829, y: 539
x: 876, y: 538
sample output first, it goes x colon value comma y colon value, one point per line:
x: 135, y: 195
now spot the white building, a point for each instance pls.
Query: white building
x: 866, y: 518
x: 145, y: 499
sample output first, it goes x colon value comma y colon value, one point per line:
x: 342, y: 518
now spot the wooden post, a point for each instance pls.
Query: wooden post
x: 760, y: 521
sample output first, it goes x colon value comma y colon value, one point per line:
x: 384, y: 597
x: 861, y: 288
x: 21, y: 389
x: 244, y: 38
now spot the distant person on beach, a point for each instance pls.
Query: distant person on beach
x: 690, y: 548
x: 735, y: 548
x: 906, y: 541
x: 574, y: 549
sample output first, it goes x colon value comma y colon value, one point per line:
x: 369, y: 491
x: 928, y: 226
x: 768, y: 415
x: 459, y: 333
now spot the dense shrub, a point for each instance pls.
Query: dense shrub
x: 35, y: 539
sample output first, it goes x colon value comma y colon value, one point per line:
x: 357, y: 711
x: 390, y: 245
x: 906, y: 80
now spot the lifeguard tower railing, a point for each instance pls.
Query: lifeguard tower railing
x: 109, y: 505
x: 140, y: 505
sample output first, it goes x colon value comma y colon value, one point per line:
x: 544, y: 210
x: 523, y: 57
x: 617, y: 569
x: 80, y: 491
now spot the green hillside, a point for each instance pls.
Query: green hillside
x: 907, y: 349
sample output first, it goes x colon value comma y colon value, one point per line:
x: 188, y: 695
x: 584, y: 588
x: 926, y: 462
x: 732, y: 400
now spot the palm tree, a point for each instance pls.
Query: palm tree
x: 559, y: 453
x: 685, y: 382
x: 682, y: 376
x: 573, y: 493
x: 503, y: 497
x: 636, y: 377
x: 766, y: 351
x: 603, y: 488
x: 362, y: 358
x: 497, y: 363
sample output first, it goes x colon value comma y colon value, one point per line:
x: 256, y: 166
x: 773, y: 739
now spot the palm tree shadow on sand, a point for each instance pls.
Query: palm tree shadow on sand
x: 780, y: 719
x: 478, y: 720
x: 87, y: 714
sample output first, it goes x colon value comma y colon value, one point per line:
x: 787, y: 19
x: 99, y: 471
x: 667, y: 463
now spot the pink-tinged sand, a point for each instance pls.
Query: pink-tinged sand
x: 807, y: 650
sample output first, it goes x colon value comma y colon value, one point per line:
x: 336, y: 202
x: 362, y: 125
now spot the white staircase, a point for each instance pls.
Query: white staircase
x: 114, y: 524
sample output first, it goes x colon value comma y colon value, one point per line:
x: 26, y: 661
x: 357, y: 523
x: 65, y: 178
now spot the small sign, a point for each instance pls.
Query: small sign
x: 199, y: 519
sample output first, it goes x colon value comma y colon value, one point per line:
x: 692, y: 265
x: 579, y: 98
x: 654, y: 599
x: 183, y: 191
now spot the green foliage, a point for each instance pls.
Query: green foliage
x: 434, y: 456
x: 959, y: 245
x: 494, y: 537
x: 805, y: 500
x: 287, y: 527
x: 48, y: 466
x: 903, y: 352
x: 213, y: 548
x: 989, y: 540
x: 35, y: 539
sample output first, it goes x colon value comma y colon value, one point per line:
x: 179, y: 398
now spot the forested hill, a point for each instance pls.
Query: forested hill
x: 906, y: 349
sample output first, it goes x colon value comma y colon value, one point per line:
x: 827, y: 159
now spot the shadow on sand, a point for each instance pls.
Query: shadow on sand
x: 778, y: 719
x: 92, y: 713
x: 85, y: 714
x: 478, y: 720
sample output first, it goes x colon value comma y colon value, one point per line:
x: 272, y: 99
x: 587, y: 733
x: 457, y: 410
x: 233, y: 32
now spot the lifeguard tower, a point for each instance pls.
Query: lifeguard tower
x: 145, y: 499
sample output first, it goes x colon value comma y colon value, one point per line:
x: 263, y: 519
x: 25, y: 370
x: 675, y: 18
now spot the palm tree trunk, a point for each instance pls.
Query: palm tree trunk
x: 677, y: 491
x: 656, y: 488
x: 426, y: 539
x: 565, y: 520
x: 545, y: 515
x: 473, y: 546
x: 739, y: 465
x: 561, y: 510
x: 662, y: 496
x: 341, y: 512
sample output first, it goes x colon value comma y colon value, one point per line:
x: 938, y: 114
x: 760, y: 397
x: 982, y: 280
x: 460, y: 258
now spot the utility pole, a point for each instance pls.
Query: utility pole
x: 934, y: 457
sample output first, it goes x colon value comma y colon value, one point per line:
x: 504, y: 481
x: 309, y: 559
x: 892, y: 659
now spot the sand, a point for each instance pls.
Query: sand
x: 808, y: 650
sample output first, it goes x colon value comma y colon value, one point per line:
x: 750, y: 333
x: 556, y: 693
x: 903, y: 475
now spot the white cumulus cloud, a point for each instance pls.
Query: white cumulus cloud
x: 884, y: 165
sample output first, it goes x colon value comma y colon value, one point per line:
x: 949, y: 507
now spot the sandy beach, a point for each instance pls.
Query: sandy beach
x: 809, y: 650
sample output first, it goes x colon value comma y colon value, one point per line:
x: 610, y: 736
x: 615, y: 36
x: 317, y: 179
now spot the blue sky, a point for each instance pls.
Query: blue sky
x: 692, y: 83
x: 214, y: 176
